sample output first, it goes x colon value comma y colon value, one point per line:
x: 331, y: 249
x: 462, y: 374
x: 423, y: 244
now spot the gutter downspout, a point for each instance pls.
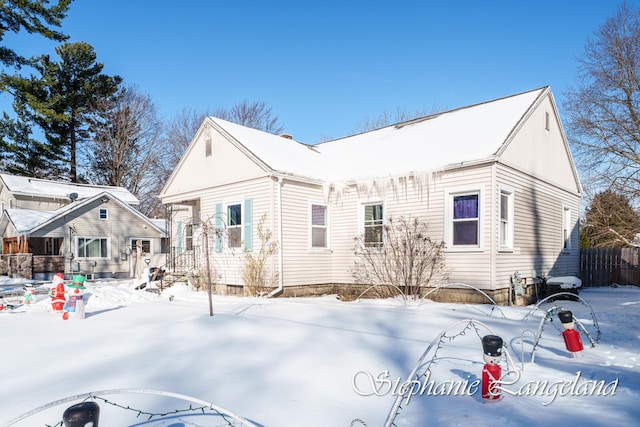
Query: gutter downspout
x: 494, y: 219
x: 280, y: 287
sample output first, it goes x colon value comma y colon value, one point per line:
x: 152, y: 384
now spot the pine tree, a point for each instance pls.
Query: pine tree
x: 25, y: 156
x: 34, y: 17
x: 22, y: 153
x: 60, y: 99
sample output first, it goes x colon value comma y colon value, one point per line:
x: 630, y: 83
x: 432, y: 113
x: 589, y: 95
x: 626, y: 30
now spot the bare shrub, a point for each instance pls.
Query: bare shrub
x: 407, y: 261
x: 255, y: 272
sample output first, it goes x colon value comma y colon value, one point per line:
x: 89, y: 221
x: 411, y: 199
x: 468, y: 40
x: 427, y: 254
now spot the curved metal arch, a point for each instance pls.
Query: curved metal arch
x: 583, y: 302
x: 400, y: 397
x: 495, y: 305
x: 404, y: 297
x: 92, y: 394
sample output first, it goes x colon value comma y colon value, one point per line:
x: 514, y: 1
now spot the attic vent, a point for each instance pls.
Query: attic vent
x: 417, y: 120
x: 73, y: 197
x: 286, y: 135
x: 546, y: 120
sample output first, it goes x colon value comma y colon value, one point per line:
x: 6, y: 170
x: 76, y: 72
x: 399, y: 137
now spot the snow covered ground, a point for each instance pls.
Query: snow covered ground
x: 316, y: 361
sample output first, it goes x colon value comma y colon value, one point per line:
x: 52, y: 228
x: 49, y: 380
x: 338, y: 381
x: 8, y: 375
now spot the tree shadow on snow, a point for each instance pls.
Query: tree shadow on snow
x: 187, y: 420
x: 106, y: 310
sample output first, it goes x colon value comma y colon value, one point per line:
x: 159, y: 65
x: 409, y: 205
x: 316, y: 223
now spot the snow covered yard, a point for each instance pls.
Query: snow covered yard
x: 314, y: 361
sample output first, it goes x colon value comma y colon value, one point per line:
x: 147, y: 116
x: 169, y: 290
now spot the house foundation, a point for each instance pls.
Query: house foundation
x: 351, y: 292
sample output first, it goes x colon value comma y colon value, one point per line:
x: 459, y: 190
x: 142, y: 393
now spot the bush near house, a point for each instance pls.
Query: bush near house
x: 407, y: 261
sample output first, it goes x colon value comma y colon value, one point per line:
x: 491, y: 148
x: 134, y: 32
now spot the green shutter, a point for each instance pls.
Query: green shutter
x: 219, y: 227
x: 179, y: 237
x: 248, y: 224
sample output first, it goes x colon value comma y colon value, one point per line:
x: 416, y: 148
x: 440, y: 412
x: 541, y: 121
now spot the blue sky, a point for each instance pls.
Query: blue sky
x: 325, y: 66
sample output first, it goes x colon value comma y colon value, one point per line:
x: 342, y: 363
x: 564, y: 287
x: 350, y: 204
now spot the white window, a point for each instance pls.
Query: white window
x: 92, y: 247
x: 463, y: 220
x: 318, y: 226
x: 145, y: 245
x: 188, y: 238
x: 234, y: 225
x: 207, y: 147
x: 566, y: 229
x: 506, y: 219
x: 104, y: 214
x: 373, y: 225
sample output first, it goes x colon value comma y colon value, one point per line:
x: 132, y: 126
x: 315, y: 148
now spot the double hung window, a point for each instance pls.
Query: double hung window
x: 234, y: 226
x: 373, y: 225
x: 318, y: 226
x: 463, y: 214
x: 466, y: 220
x: 506, y: 220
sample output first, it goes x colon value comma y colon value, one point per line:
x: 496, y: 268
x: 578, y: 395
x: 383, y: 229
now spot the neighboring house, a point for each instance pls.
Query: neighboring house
x: 49, y: 227
x: 495, y: 181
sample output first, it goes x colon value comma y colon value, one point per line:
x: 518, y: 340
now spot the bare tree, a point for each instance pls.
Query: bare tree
x: 407, y: 261
x: 184, y: 125
x: 179, y: 133
x: 124, y: 151
x: 387, y: 118
x: 603, y: 106
x: 253, y: 114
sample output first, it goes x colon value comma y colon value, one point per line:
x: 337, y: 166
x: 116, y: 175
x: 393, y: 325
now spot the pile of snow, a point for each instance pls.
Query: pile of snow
x: 312, y: 361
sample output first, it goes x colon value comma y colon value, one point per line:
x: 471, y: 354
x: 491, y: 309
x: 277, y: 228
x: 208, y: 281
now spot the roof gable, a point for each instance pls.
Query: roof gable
x: 539, y: 147
x: 214, y: 157
x: 27, y: 221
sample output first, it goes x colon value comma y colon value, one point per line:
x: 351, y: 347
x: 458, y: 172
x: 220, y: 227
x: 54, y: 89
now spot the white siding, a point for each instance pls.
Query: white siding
x: 538, y: 240
x: 229, y: 261
x: 198, y: 172
x: 469, y: 267
x: 412, y: 199
x: 302, y: 265
x: 542, y: 153
x: 118, y: 228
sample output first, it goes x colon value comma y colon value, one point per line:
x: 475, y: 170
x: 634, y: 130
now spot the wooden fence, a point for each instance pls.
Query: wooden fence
x: 609, y: 266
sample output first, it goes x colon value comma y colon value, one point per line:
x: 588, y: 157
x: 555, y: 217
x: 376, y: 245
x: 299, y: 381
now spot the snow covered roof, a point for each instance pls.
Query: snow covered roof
x: 161, y: 224
x: 24, y: 186
x: 27, y: 221
x: 464, y: 135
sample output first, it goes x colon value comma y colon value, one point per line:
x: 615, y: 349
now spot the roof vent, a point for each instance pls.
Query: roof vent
x: 286, y: 136
x: 73, y: 197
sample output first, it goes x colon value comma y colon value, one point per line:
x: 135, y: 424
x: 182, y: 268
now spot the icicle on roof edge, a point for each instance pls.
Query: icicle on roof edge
x: 423, y: 182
